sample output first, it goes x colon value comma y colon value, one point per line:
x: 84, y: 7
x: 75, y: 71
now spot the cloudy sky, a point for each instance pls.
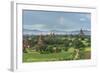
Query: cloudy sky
x: 49, y: 20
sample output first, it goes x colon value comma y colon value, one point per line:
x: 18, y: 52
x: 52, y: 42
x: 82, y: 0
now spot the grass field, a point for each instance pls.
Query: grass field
x: 56, y: 48
x: 64, y: 55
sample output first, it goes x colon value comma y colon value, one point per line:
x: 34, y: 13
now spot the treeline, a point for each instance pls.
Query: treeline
x: 45, y: 44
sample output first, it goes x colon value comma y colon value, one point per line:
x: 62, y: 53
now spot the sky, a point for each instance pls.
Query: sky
x: 52, y: 20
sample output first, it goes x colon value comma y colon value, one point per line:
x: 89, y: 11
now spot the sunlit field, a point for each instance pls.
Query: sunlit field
x: 56, y: 48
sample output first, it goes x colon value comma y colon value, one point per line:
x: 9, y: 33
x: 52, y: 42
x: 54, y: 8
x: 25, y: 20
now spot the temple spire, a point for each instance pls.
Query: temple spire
x: 40, y: 39
x: 81, y: 32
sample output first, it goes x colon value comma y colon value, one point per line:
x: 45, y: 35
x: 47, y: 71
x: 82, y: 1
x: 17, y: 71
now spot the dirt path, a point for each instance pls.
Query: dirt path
x: 77, y: 54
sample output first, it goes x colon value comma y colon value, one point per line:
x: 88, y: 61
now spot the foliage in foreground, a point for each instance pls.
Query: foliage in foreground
x: 56, y: 47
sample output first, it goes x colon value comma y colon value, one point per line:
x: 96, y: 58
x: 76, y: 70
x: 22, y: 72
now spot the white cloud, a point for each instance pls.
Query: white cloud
x: 61, y: 20
x: 35, y: 26
x: 82, y: 19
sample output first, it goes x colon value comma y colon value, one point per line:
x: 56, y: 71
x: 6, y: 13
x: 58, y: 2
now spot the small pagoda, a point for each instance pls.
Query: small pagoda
x: 40, y: 40
x: 81, y: 33
x: 40, y: 43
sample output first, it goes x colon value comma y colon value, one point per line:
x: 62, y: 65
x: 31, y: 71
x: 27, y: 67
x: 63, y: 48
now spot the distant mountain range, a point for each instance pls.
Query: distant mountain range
x: 37, y: 32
